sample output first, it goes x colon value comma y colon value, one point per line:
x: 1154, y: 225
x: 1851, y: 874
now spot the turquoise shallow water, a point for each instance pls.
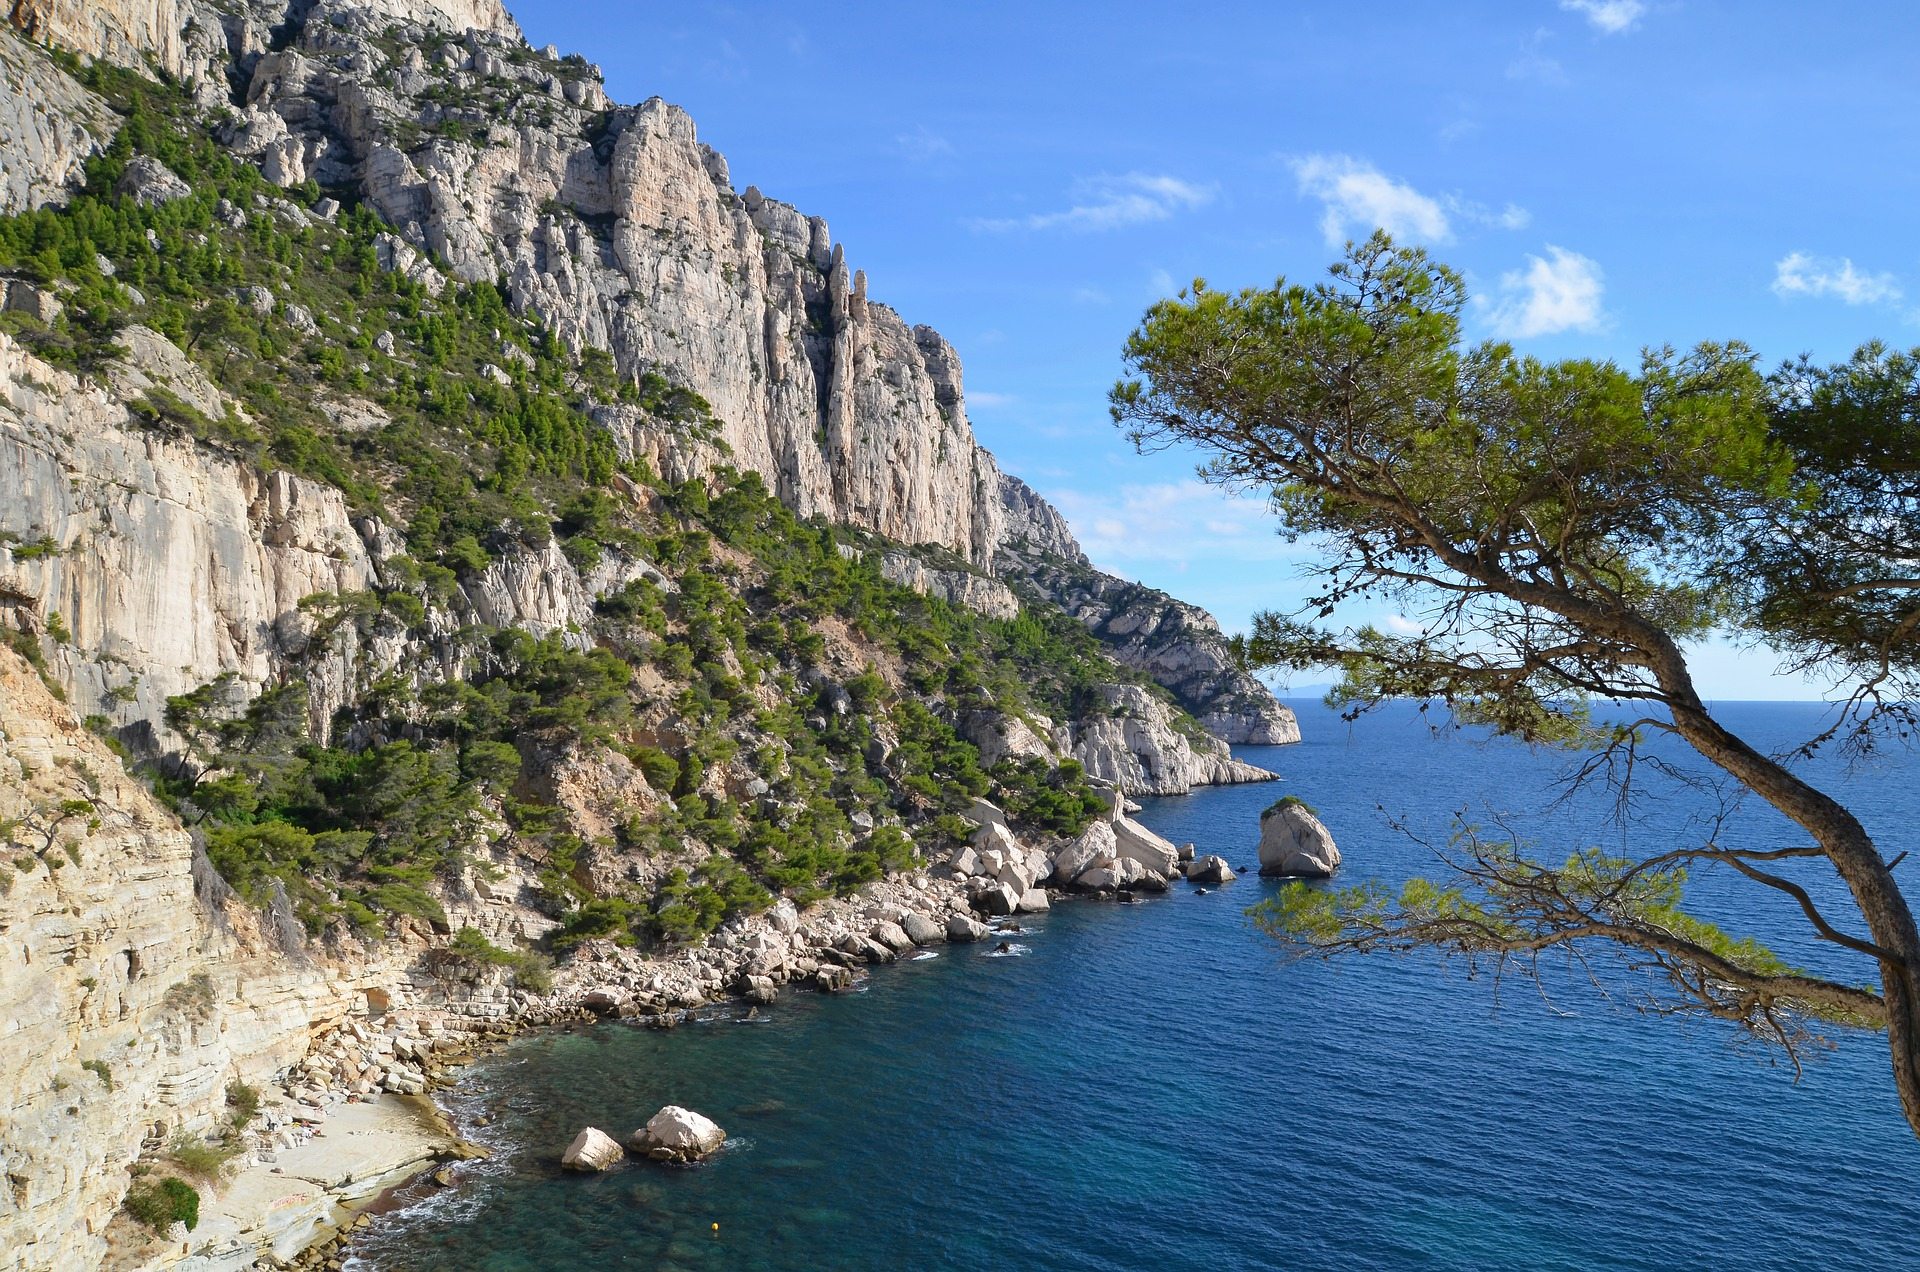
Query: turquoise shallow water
x: 1148, y: 1086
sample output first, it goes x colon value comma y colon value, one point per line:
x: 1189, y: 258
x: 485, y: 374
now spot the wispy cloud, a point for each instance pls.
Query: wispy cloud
x: 992, y: 401
x: 1089, y: 295
x: 1609, y: 17
x: 923, y: 145
x: 1359, y: 198
x: 1176, y: 521
x: 1560, y: 291
x: 1800, y: 274
x: 1111, y: 203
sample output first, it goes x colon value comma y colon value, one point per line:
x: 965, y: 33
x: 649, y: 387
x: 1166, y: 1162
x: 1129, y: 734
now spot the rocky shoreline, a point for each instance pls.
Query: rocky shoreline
x: 413, y: 1051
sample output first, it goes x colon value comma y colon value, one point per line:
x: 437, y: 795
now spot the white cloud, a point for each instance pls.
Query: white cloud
x: 1557, y: 292
x: 1111, y: 203
x: 1609, y: 17
x: 1799, y: 274
x: 1359, y: 198
x: 1160, y: 284
x: 1175, y: 521
x: 1089, y: 296
x: 1401, y: 625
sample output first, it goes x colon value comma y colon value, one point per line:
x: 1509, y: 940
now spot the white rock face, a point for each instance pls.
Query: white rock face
x: 965, y: 588
x: 678, y: 1135
x: 1132, y: 744
x: 118, y: 958
x: 49, y: 126
x: 1294, y: 842
x: 593, y: 1150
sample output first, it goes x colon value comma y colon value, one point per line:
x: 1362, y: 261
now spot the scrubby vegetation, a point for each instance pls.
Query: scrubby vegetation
x: 788, y: 715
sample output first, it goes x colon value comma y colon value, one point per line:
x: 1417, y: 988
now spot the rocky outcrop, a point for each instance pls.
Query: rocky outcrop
x: 1032, y: 527
x: 1295, y: 842
x: 49, y: 127
x: 1128, y: 740
x: 675, y: 1134
x: 968, y: 589
x: 1179, y: 645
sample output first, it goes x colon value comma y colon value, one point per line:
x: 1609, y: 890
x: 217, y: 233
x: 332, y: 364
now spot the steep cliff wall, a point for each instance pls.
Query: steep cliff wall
x: 131, y: 998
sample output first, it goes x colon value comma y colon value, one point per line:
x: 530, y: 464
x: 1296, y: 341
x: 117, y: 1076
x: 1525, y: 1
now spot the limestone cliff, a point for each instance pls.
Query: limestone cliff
x: 1177, y: 644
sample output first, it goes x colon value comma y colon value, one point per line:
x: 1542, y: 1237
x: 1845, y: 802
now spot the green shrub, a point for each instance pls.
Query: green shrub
x: 243, y: 1102
x: 160, y: 1205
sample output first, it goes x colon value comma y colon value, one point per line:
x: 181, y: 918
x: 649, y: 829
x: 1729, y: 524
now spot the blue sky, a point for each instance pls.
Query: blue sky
x: 1028, y: 177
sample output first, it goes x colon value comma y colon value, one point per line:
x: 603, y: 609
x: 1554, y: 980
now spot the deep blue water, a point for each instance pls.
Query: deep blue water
x: 1151, y: 1086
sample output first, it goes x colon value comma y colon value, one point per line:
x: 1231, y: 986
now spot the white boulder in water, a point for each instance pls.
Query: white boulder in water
x: 592, y: 1150
x: 1294, y: 842
x: 675, y: 1134
x: 1135, y: 842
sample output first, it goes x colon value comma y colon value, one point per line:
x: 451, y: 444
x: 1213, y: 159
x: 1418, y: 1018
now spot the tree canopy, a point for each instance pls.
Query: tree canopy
x: 1561, y: 531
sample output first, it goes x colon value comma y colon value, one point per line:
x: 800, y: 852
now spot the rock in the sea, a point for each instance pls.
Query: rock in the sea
x: 675, y: 1134
x: 1210, y: 869
x: 962, y: 928
x: 592, y: 1149
x: 1034, y: 901
x: 921, y: 929
x: 1294, y: 842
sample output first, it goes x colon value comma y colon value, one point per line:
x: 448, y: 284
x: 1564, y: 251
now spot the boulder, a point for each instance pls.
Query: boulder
x: 783, y: 918
x: 1093, y: 849
x: 1210, y: 869
x: 998, y: 900
x: 961, y: 927
x: 1098, y: 879
x: 1035, y: 901
x: 675, y: 1134
x: 603, y: 1001
x: 1014, y: 873
x: 1136, y: 842
x: 893, y: 936
x: 994, y: 836
x: 965, y: 862
x: 923, y: 930
x: 1294, y: 842
x: 592, y: 1150
x: 1186, y: 852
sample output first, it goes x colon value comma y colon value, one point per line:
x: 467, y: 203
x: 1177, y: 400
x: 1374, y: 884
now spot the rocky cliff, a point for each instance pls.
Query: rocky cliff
x: 1178, y: 644
x: 498, y: 538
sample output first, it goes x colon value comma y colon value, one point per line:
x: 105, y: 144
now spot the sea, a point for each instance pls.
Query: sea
x: 1159, y: 1086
